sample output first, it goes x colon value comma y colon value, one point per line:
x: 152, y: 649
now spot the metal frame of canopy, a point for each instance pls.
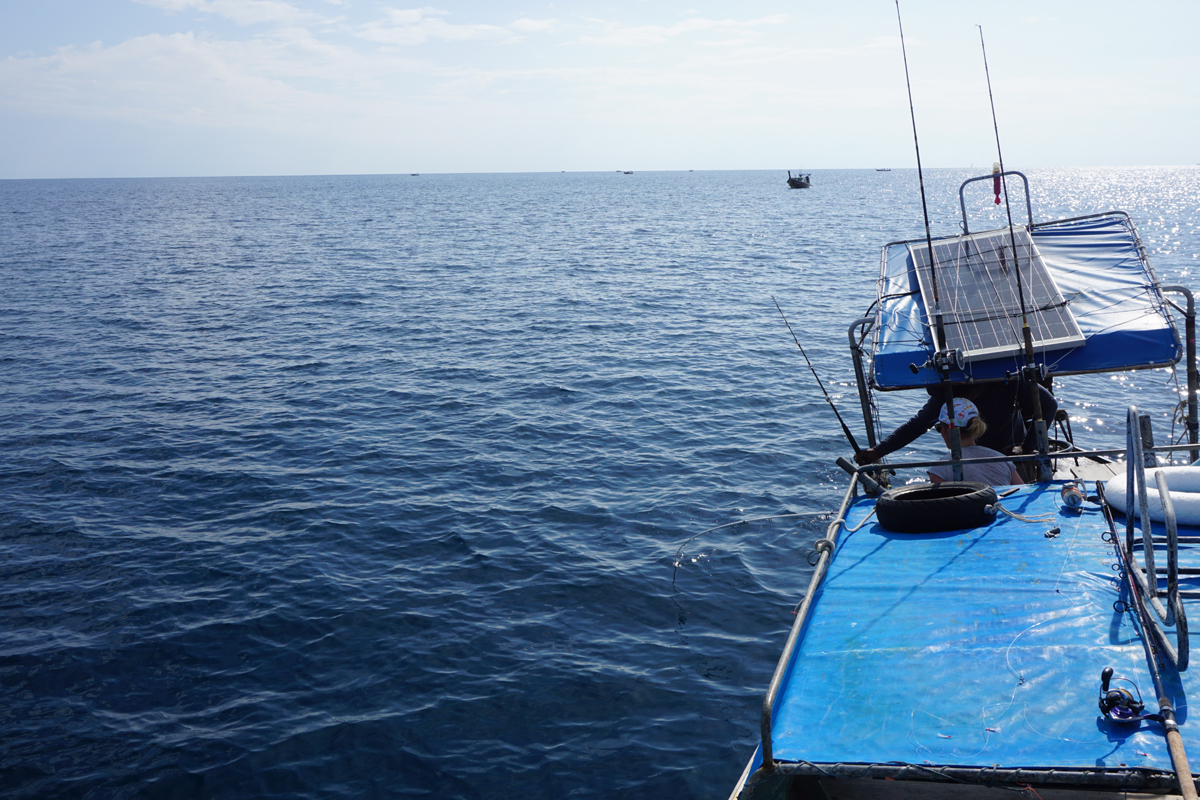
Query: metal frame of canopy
x: 900, y: 323
x: 1067, y: 361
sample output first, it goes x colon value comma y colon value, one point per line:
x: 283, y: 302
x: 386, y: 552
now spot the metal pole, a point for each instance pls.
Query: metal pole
x: 860, y: 377
x: 1193, y: 375
x: 825, y: 547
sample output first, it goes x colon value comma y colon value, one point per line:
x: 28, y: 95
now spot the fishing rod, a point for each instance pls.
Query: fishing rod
x: 1039, y: 423
x: 1007, y: 207
x: 942, y: 357
x: 940, y: 328
x: 828, y: 399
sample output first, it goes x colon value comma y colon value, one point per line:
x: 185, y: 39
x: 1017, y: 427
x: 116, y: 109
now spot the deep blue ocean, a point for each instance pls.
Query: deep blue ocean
x: 374, y: 486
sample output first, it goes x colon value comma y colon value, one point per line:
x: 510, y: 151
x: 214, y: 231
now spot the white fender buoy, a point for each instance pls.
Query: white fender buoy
x: 1183, y: 482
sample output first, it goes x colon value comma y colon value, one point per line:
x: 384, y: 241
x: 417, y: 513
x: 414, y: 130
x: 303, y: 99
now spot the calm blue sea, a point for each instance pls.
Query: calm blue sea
x: 373, y: 486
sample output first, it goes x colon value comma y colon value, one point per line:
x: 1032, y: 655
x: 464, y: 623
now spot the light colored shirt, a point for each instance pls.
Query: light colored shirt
x: 1000, y: 473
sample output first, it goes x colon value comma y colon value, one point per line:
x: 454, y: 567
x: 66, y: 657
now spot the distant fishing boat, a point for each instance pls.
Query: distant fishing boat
x: 628, y: 172
x: 883, y: 169
x: 414, y: 174
x: 801, y: 181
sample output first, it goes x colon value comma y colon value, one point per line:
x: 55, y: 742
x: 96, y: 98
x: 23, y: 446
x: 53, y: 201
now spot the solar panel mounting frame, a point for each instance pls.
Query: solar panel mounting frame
x: 977, y: 286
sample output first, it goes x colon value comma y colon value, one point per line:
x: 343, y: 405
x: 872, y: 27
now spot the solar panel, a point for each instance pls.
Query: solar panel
x: 977, y: 286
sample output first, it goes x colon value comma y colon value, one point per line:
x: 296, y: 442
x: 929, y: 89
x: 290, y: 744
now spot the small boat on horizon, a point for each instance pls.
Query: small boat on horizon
x: 800, y: 181
x: 883, y: 169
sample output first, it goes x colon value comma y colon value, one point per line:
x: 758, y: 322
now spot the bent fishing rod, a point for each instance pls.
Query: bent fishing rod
x: 828, y: 399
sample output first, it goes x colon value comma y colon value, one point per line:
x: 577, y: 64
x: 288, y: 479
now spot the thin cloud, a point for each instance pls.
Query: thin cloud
x: 413, y: 26
x: 617, y: 35
x: 164, y: 79
x: 243, y: 12
x: 534, y: 25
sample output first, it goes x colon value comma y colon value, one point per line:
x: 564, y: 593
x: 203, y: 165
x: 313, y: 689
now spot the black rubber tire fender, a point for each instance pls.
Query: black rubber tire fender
x: 935, y: 507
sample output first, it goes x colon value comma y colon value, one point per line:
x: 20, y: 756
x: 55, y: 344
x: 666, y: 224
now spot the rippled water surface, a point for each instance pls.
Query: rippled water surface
x: 374, y: 486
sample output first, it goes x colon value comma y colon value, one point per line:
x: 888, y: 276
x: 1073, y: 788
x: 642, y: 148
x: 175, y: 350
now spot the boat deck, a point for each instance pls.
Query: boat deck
x: 975, y: 648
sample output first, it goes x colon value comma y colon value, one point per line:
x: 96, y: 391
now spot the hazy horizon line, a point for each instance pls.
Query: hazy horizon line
x: 576, y: 172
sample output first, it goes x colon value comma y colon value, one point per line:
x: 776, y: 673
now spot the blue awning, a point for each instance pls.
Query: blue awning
x: 1100, y: 270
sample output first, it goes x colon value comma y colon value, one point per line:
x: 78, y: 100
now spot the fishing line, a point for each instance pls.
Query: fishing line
x: 812, y: 369
x: 1020, y: 678
x: 679, y: 553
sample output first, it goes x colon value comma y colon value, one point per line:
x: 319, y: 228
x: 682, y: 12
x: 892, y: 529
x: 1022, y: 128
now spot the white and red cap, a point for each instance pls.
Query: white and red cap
x: 964, y: 412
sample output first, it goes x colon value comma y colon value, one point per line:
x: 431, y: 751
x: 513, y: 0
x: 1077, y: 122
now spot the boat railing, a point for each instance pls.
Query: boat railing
x: 1193, y: 373
x: 857, y: 334
x: 1055, y: 455
x: 1139, y: 456
x: 1072, y: 453
x: 963, y: 203
x: 824, y: 548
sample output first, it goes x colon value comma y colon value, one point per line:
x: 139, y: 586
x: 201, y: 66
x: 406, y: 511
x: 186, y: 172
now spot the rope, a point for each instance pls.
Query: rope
x: 859, y: 525
x: 1038, y: 518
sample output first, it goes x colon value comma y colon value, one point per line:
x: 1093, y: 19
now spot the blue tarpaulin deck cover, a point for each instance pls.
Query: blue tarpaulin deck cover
x: 973, y: 648
x: 1102, y: 274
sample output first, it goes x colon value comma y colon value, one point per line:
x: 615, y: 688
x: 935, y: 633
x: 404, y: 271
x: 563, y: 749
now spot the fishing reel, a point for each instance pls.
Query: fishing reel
x: 943, y: 361
x: 946, y: 360
x: 1036, y: 373
x: 1119, y: 704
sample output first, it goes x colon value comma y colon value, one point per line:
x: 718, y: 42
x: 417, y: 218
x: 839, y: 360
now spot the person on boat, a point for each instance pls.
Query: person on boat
x: 1008, y: 405
x: 971, y: 427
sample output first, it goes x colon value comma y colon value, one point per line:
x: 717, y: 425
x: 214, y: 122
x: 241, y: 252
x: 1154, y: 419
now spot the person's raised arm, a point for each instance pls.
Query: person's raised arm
x: 906, y: 434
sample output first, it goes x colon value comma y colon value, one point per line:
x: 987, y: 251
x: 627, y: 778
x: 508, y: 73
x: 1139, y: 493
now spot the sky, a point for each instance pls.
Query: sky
x: 149, y: 88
